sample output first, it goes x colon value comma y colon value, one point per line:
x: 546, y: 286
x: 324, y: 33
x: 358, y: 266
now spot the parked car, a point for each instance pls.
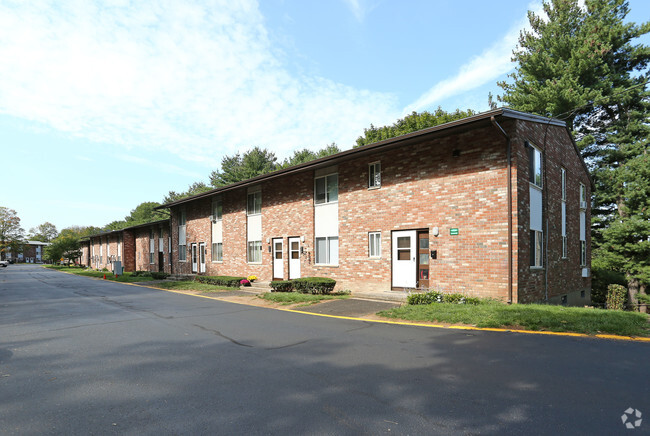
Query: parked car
x: 4, y: 263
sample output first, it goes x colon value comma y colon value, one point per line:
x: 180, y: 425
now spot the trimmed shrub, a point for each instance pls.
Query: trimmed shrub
x: 314, y: 285
x: 159, y: 275
x: 140, y: 274
x: 229, y: 281
x: 616, y: 297
x: 281, y: 286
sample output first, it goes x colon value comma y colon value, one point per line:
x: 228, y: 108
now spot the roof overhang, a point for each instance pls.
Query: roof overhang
x: 441, y: 130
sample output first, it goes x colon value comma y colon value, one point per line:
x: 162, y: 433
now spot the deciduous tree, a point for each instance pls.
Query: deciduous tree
x: 11, y: 234
x: 44, y: 232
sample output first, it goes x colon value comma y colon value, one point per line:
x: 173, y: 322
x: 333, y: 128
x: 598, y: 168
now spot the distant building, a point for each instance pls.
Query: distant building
x: 33, y: 252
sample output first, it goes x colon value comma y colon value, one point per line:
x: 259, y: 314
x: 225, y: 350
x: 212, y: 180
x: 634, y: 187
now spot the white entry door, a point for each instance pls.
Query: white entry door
x: 403, y: 259
x: 194, y: 258
x: 294, y: 258
x: 278, y: 261
x: 202, y: 257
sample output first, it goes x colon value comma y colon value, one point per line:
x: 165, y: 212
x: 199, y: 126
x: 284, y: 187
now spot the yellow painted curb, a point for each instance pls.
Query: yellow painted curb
x: 415, y: 324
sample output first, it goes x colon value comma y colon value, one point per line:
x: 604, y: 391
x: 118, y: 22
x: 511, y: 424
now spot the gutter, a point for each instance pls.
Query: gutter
x: 509, y: 200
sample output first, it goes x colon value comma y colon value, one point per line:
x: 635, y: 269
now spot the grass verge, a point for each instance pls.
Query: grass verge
x: 529, y: 317
x: 286, y: 298
x: 124, y: 278
x: 186, y: 285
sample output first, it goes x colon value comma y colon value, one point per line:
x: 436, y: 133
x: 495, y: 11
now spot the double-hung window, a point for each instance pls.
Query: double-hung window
x: 327, y: 250
x: 326, y: 189
x: 217, y: 251
x: 583, y: 225
x: 182, y: 236
x: 152, y: 245
x: 536, y: 246
x: 535, y: 171
x: 374, y: 175
x: 254, y: 251
x: 374, y: 244
x: 535, y: 165
x: 217, y: 229
x: 254, y: 203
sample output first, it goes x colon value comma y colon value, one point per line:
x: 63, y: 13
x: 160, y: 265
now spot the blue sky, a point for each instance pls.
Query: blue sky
x: 105, y: 105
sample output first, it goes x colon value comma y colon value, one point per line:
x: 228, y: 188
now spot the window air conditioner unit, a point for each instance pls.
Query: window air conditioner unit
x: 583, y: 205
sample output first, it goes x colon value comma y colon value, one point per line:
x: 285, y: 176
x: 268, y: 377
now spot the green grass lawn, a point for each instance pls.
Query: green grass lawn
x: 287, y: 298
x: 124, y: 278
x: 186, y: 285
x: 529, y: 317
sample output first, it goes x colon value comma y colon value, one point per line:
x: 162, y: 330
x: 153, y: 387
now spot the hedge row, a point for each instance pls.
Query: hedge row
x: 305, y: 285
x: 154, y: 274
x: 438, y: 297
x: 229, y: 281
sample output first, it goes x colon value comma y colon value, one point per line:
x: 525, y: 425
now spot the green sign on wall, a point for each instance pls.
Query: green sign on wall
x: 453, y: 232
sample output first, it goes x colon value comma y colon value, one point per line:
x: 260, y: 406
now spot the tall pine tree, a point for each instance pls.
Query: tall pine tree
x: 583, y: 66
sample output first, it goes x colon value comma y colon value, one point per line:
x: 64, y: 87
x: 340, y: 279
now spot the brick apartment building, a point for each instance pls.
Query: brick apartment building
x: 143, y: 247
x: 493, y: 205
x: 32, y: 252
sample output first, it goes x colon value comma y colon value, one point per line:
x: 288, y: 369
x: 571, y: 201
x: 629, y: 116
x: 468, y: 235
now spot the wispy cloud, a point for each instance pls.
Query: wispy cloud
x: 161, y: 166
x: 494, y: 62
x: 195, y: 79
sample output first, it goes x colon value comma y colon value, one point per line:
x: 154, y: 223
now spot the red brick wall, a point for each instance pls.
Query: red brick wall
x: 128, y: 250
x: 142, y: 237
x: 560, y: 276
x: 423, y: 186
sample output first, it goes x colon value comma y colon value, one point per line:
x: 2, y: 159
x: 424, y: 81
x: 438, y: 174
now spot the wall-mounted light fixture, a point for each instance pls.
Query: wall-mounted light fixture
x: 435, y: 231
x: 302, y: 239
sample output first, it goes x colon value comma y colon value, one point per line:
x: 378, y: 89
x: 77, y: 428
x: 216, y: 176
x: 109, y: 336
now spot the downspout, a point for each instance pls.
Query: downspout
x: 509, y: 200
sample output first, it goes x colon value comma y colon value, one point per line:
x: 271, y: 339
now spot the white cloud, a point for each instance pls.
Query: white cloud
x: 196, y: 79
x: 494, y: 62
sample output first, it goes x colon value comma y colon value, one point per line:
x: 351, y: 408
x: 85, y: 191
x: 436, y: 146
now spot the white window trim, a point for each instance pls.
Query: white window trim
x: 212, y: 253
x: 541, y: 254
x: 327, y: 200
x: 583, y: 253
x: 378, y: 165
x: 327, y: 247
x: 541, y: 167
x: 565, y: 247
x: 563, y: 183
x: 248, y: 194
x: 370, y: 236
x: 215, y: 201
x: 253, y: 262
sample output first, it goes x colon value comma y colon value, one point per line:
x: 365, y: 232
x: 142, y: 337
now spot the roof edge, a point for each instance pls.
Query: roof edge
x: 324, y: 161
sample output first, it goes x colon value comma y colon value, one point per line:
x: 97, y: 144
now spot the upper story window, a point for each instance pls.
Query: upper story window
x: 181, y: 217
x: 254, y: 203
x: 563, y: 176
x: 583, y: 196
x: 217, y: 209
x: 535, y: 165
x: 374, y: 175
x: 326, y: 189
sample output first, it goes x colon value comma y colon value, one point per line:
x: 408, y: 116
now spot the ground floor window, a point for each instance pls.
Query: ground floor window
x: 182, y: 252
x: 327, y: 250
x: 217, y: 252
x: 536, y: 245
x: 374, y: 244
x: 564, y: 247
x: 583, y: 253
x: 254, y: 251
